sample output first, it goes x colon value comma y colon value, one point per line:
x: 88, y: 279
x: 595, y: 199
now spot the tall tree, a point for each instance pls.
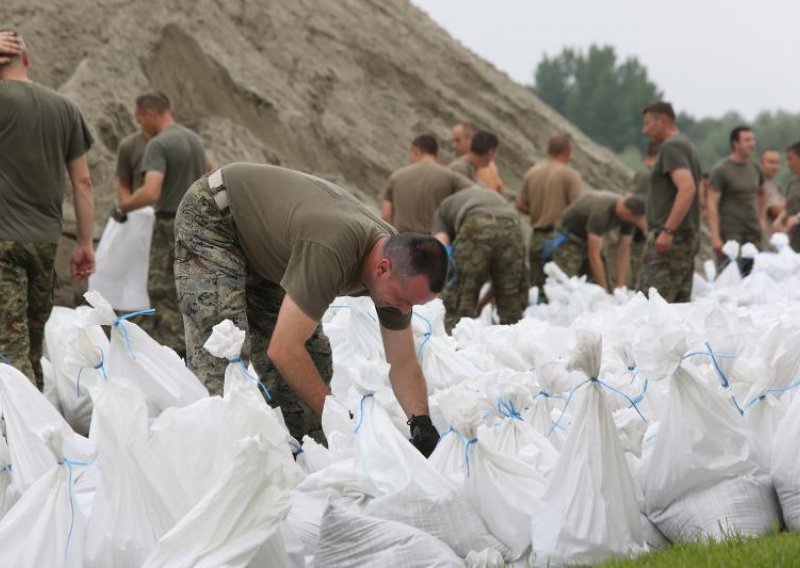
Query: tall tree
x: 600, y: 96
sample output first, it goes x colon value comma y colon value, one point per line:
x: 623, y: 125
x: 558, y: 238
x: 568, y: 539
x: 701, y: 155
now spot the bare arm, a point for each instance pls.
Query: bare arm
x: 148, y: 194
x: 594, y: 252
x: 405, y: 374
x: 623, y: 259
x: 519, y: 202
x: 712, y: 214
x: 287, y: 351
x: 124, y: 190
x: 211, y: 165
x: 82, y: 264
x: 387, y: 211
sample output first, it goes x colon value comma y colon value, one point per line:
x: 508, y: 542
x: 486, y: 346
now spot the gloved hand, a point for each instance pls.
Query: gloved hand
x: 118, y: 215
x: 423, y: 434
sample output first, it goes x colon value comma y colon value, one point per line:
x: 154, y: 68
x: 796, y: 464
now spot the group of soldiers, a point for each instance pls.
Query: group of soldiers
x: 269, y: 248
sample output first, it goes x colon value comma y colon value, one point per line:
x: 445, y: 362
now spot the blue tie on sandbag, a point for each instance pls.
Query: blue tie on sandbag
x: 120, y: 321
x: 552, y: 245
x: 69, y: 464
x: 101, y: 366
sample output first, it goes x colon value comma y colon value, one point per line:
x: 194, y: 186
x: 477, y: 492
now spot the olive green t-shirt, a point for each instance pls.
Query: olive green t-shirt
x: 177, y: 152
x: 471, y: 201
x: 40, y: 132
x: 594, y: 213
x: 416, y: 191
x: 793, y: 208
x: 738, y: 185
x: 641, y: 182
x: 675, y: 153
x: 129, y: 160
x: 547, y: 189
x: 464, y: 167
x: 306, y: 234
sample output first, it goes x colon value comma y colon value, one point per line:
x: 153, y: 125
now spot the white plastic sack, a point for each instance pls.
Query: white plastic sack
x: 5, y: 474
x: 123, y: 257
x: 785, y: 465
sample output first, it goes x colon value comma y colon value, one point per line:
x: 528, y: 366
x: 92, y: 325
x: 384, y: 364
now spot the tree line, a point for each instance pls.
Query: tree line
x: 604, y: 97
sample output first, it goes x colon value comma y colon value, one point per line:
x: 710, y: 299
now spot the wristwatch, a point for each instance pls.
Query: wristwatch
x: 669, y: 231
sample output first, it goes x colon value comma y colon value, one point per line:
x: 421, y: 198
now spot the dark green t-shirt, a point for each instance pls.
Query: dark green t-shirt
x: 177, y: 152
x: 306, y: 234
x: 40, y: 132
x: 474, y: 200
x: 129, y: 160
x: 738, y: 185
x: 594, y: 213
x: 793, y: 208
x: 675, y: 153
x: 464, y: 167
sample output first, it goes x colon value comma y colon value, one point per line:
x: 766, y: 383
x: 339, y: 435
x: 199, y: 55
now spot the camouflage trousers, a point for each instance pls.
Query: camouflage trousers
x: 538, y: 238
x: 671, y: 273
x: 487, y: 248
x: 571, y: 256
x: 214, y: 283
x: 637, y: 251
x: 27, y: 276
x: 166, y: 325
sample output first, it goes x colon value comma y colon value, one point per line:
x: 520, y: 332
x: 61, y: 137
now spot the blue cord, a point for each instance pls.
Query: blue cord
x: 264, y: 388
x: 361, y: 413
x: 101, y: 366
x: 427, y: 335
x: 5, y: 359
x: 765, y: 392
x: 70, y: 464
x: 506, y: 409
x: 119, y: 321
x: 6, y: 468
x: 723, y: 379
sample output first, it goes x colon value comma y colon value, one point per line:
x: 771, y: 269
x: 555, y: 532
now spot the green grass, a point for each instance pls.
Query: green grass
x: 777, y: 550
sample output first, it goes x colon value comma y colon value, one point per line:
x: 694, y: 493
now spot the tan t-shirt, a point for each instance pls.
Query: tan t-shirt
x: 594, y: 213
x: 464, y: 167
x: 129, y: 160
x: 738, y: 185
x: 547, y: 189
x: 416, y: 191
x: 472, y: 201
x: 177, y: 152
x: 641, y: 182
x: 305, y: 234
x: 40, y: 132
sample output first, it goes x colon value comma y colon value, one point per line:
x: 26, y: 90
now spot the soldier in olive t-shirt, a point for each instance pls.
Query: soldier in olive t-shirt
x: 487, y: 245
x: 739, y: 185
x: 675, y: 153
x: 415, y: 192
x: 129, y: 160
x: 464, y: 167
x: 176, y: 152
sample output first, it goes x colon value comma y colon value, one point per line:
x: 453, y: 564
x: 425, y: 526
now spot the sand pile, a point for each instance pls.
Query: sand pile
x: 337, y: 88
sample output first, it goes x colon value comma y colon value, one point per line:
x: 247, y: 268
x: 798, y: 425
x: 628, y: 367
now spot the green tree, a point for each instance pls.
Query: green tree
x: 602, y: 97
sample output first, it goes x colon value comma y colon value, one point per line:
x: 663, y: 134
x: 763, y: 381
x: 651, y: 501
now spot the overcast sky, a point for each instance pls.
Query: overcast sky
x: 707, y: 56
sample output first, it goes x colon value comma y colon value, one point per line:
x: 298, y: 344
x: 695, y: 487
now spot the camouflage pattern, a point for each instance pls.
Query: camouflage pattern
x: 637, y: 252
x: 538, y: 238
x: 487, y: 248
x: 166, y: 325
x: 214, y: 283
x: 571, y: 256
x: 671, y: 273
x: 26, y: 300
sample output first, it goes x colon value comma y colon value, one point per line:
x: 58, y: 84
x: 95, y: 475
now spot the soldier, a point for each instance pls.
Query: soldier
x: 547, y: 189
x: 270, y: 248
x: 583, y: 226
x: 414, y: 192
x: 776, y: 202
x: 641, y: 186
x: 41, y: 132
x: 130, y: 153
x: 482, y: 151
x: 736, y: 200
x: 487, y: 176
x: 173, y: 159
x: 487, y: 245
x: 673, y: 211
x: 789, y: 219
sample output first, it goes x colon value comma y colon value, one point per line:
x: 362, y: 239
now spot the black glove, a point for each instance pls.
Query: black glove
x: 423, y: 435
x: 118, y: 215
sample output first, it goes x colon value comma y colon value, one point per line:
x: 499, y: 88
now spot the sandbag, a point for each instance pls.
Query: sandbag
x: 785, y: 466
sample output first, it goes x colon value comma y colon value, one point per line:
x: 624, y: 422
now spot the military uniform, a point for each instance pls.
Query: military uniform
x: 40, y: 132
x: 641, y: 186
x: 177, y: 152
x: 793, y: 208
x: 738, y: 185
x: 463, y: 166
x: 547, y: 189
x: 275, y: 232
x: 487, y: 245
x: 671, y: 273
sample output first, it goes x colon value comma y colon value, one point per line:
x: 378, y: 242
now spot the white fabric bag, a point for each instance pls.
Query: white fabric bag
x: 5, y: 474
x: 45, y: 527
x: 785, y: 465
x: 123, y: 258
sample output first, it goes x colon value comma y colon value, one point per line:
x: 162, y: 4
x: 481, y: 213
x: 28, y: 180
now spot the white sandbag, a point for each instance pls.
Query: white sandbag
x: 785, y: 466
x: 348, y: 540
x: 122, y: 258
x: 26, y: 413
x: 129, y: 515
x: 5, y: 474
x: 45, y: 527
x: 705, y: 476
x: 154, y: 368
x: 241, y: 511
x: 226, y: 341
